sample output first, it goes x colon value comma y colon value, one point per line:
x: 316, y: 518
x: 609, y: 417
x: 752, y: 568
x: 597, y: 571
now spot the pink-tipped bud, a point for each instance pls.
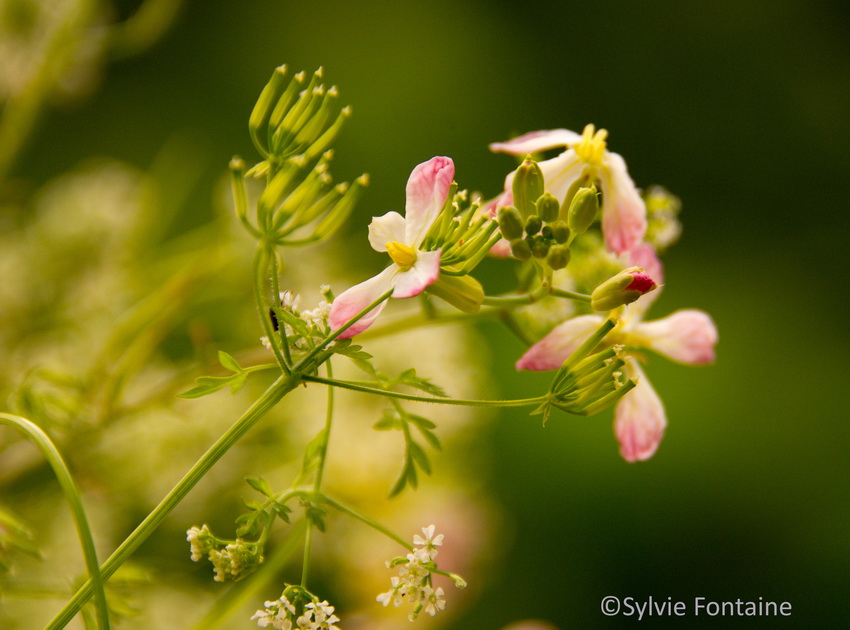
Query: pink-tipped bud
x: 624, y: 288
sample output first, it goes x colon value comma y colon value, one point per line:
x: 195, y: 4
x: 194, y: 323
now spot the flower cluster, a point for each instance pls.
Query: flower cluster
x: 281, y: 614
x: 635, y: 228
x: 413, y: 582
x: 231, y: 560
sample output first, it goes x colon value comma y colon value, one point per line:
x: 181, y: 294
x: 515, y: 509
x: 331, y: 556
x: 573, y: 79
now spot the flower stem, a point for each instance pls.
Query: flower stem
x: 365, y: 519
x: 72, y: 495
x: 259, y: 274
x: 352, y: 385
x: 282, y: 386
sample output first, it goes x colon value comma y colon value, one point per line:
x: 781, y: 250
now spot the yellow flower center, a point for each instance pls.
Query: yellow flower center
x: 402, y: 255
x: 592, y: 145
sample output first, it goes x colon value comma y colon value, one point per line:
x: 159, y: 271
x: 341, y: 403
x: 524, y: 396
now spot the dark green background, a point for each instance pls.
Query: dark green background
x: 739, y: 108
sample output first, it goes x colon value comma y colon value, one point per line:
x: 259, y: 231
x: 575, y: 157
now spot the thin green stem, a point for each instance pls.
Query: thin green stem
x: 320, y: 472
x: 271, y: 254
x: 570, y: 295
x: 365, y: 519
x: 72, y: 495
x: 408, y: 323
x: 357, y: 387
x: 263, y: 405
x: 262, y: 307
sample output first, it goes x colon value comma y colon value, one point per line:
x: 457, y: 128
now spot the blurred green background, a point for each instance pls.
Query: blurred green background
x: 741, y: 109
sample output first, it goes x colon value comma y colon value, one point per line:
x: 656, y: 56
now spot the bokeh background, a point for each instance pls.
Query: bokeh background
x: 738, y: 108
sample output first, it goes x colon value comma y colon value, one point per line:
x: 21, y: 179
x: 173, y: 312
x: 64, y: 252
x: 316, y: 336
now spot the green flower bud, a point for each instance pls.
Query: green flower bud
x: 533, y: 225
x: 558, y: 257
x: 624, y: 288
x: 510, y: 223
x: 548, y: 208
x: 583, y: 209
x: 462, y: 292
x: 539, y: 247
x: 520, y: 249
x: 547, y: 232
x: 560, y: 232
x: 527, y: 186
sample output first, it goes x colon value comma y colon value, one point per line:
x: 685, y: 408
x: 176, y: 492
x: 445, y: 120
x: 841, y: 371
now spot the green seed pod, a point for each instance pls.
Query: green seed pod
x: 533, y: 225
x: 583, y: 209
x: 548, y: 208
x: 540, y: 247
x: 527, y: 186
x: 510, y: 223
x: 520, y: 249
x: 558, y: 257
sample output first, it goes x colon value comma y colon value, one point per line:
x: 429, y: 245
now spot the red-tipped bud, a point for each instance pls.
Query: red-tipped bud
x: 624, y: 288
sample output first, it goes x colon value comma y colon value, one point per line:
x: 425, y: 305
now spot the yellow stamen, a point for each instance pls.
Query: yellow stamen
x: 402, y: 255
x: 592, y: 145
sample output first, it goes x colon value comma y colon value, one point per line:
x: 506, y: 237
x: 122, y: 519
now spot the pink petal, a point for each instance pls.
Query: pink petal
x: 386, y: 228
x: 501, y: 249
x: 623, y: 210
x: 687, y: 336
x: 640, y: 421
x: 536, y: 141
x: 358, y: 297
x: 644, y: 256
x: 427, y: 191
x: 425, y: 271
x: 551, y: 351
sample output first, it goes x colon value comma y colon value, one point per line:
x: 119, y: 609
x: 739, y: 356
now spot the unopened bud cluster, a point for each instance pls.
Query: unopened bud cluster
x: 537, y: 225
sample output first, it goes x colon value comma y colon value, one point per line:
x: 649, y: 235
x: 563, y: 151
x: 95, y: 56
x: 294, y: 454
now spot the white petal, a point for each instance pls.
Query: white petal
x: 384, y: 229
x: 551, y: 351
x: 358, y: 297
x: 425, y: 271
x: 427, y: 191
x: 537, y: 141
x: 640, y: 420
x: 623, y: 210
x: 686, y: 336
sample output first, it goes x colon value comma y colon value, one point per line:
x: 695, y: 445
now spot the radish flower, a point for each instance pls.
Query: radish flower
x: 401, y: 237
x: 586, y: 157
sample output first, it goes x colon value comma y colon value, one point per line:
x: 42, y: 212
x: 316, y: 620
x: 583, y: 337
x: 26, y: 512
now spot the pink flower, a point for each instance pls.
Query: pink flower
x: 623, y: 210
x: 687, y: 336
x: 401, y: 237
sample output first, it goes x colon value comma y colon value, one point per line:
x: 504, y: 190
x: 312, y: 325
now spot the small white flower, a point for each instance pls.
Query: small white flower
x: 429, y: 544
x: 198, y: 541
x: 433, y: 600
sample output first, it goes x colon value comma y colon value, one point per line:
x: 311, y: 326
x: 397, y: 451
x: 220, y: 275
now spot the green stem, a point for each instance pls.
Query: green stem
x: 539, y: 293
x: 320, y: 472
x: 72, y: 495
x: 570, y: 295
x: 357, y: 387
x: 262, y: 307
x: 365, y: 519
x: 263, y: 405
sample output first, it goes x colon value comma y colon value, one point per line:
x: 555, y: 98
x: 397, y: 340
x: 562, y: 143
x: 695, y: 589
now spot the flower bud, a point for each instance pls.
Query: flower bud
x: 520, y: 249
x: 463, y: 292
x: 558, y: 257
x: 533, y: 225
x: 548, y: 208
x: 583, y: 209
x: 624, y: 288
x: 527, y: 186
x: 560, y: 232
x: 510, y: 223
x: 539, y: 247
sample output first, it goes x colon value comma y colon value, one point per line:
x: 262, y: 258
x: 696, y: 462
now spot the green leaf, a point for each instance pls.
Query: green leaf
x: 314, y: 451
x: 206, y: 385
x: 408, y: 377
x: 431, y: 438
x: 237, y: 382
x: 260, y: 485
x: 316, y: 516
x: 419, y: 456
x: 228, y: 362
